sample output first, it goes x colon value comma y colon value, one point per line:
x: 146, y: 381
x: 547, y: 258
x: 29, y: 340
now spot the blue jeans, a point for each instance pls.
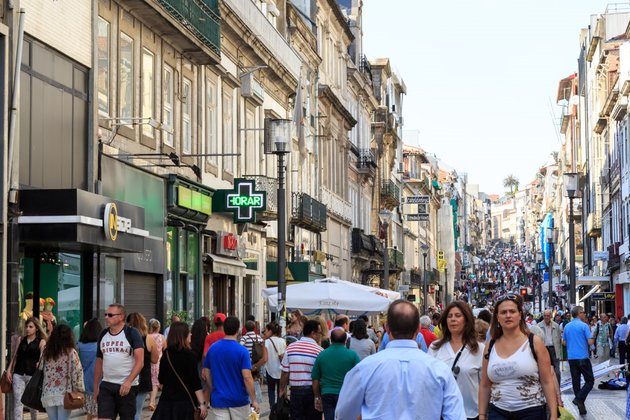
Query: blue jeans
x: 532, y: 413
x: 329, y: 403
x: 581, y: 367
x: 302, y: 404
x: 273, y: 389
x: 140, y: 398
x: 57, y: 412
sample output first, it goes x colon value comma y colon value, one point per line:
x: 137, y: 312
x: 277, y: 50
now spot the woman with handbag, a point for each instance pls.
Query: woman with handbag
x: 179, y: 379
x: 63, y: 387
x: 24, y: 364
x: 87, y: 353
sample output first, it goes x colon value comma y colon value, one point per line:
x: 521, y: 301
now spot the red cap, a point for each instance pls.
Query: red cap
x: 219, y: 318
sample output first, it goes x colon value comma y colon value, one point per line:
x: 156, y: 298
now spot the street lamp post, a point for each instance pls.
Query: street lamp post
x: 549, y: 236
x: 425, y: 252
x: 571, y: 184
x: 385, y: 216
x: 277, y: 138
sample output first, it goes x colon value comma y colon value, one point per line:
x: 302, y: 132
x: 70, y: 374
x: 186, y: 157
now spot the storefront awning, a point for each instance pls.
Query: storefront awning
x: 590, y: 292
x: 228, y: 266
x: 591, y: 280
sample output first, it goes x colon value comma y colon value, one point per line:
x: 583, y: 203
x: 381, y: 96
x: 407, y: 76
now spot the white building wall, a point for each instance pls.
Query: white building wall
x: 64, y: 25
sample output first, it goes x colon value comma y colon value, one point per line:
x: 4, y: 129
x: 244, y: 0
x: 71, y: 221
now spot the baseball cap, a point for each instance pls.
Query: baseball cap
x: 219, y: 318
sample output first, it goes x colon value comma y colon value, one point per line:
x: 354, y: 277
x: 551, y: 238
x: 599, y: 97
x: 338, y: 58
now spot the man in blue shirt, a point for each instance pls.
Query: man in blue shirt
x: 620, y: 338
x: 422, y: 345
x: 228, y: 369
x: 400, y: 382
x: 577, y: 337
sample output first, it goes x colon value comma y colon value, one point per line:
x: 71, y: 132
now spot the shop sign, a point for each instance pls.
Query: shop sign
x: 113, y: 223
x: 606, y: 296
x: 227, y: 244
x: 194, y: 200
x: 243, y: 201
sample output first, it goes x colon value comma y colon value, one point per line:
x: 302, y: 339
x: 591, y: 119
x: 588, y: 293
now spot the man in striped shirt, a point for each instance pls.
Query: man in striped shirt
x: 297, y: 365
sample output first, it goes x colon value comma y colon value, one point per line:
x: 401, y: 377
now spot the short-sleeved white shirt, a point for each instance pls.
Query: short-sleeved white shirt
x: 469, y: 373
x: 117, y: 354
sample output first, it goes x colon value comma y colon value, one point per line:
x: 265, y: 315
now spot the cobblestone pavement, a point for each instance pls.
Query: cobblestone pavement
x: 600, y: 404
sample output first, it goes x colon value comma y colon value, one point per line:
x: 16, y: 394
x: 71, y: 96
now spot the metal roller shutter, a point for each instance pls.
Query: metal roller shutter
x: 141, y: 294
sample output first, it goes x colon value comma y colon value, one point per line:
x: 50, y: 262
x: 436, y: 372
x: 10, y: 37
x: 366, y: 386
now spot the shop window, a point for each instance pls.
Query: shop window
x: 167, y: 100
x: 148, y: 90
x: 171, y: 246
x: 187, y: 100
x: 125, y: 77
x: 211, y: 122
x: 109, y: 285
x: 228, y: 130
x: 103, y: 54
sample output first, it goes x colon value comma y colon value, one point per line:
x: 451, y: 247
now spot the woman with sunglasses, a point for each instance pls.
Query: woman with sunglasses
x: 460, y: 350
x: 516, y: 375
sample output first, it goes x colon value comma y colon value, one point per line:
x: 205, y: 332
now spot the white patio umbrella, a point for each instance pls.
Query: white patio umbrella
x: 330, y: 296
x: 389, y: 294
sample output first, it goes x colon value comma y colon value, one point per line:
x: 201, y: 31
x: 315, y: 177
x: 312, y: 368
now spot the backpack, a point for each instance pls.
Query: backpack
x: 257, y: 350
x: 530, y: 339
x: 280, y: 410
x: 126, y: 329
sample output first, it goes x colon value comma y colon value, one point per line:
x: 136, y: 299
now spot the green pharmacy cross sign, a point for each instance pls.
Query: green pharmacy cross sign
x: 244, y: 201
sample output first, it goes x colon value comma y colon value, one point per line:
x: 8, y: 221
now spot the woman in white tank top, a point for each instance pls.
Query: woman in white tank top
x: 515, y: 382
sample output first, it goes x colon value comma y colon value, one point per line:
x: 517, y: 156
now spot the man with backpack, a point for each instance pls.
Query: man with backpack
x: 255, y: 345
x: 119, y: 360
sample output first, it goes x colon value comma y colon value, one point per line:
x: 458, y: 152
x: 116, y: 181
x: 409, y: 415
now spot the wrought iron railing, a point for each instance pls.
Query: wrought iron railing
x: 390, y: 192
x: 270, y: 186
x: 201, y: 17
x: 308, y: 212
x: 366, y: 159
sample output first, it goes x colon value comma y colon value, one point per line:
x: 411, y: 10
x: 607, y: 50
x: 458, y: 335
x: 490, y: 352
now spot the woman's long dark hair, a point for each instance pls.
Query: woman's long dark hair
x: 60, y: 342
x: 199, y: 331
x: 359, y: 330
x: 469, y: 337
x: 495, y: 328
x: 91, y: 331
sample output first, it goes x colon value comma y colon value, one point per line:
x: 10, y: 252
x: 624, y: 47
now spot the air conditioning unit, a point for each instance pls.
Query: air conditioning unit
x: 250, y: 88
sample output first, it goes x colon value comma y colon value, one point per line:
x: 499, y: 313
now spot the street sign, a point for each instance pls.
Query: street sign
x: 417, y: 199
x: 600, y: 255
x: 403, y: 288
x: 417, y: 217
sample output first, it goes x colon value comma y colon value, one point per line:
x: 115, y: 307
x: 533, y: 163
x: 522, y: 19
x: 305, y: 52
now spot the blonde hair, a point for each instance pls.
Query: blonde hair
x: 481, y: 328
x: 139, y: 322
x: 154, y: 325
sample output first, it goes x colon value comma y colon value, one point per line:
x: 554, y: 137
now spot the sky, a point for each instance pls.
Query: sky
x: 481, y: 77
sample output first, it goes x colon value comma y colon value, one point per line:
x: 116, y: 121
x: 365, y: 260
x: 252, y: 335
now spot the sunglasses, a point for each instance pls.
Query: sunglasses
x: 109, y: 315
x: 510, y: 296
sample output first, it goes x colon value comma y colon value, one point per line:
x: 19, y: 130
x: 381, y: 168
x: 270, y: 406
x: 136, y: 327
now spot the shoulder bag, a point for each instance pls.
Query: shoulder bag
x: 275, y: 348
x: 72, y: 399
x: 197, y: 411
x: 32, y: 396
x: 5, y: 385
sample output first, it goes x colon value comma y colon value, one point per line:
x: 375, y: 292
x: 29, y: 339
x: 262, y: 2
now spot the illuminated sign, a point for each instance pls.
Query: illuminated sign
x: 194, y: 200
x: 243, y: 201
x: 110, y: 221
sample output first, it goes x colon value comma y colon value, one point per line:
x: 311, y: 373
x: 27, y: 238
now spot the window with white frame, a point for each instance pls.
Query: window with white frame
x: 168, y: 86
x: 228, y: 129
x: 211, y: 122
x: 103, y: 54
x: 125, y: 77
x: 148, y: 90
x: 187, y: 100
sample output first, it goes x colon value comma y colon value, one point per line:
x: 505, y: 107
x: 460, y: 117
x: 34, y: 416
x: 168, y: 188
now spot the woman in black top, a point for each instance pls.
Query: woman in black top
x: 138, y: 321
x: 24, y: 363
x: 178, y: 367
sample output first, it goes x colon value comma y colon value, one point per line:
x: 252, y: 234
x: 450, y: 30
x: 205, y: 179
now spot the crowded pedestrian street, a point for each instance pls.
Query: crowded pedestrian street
x: 314, y: 209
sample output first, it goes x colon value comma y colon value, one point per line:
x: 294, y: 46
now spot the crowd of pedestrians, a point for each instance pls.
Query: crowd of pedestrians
x: 501, y: 364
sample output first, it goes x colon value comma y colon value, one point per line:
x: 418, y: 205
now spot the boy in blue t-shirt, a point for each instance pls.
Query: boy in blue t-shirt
x: 227, y: 369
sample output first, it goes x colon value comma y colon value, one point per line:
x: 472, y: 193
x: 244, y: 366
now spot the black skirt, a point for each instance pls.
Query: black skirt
x: 174, y: 410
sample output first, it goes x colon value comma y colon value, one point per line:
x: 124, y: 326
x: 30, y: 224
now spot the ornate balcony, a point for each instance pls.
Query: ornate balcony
x: 193, y: 26
x: 337, y: 205
x: 390, y: 193
x: 308, y: 213
x: 366, y: 162
x: 396, y: 259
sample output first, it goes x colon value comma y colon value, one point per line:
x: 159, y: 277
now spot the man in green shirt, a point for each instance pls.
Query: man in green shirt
x: 329, y: 370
